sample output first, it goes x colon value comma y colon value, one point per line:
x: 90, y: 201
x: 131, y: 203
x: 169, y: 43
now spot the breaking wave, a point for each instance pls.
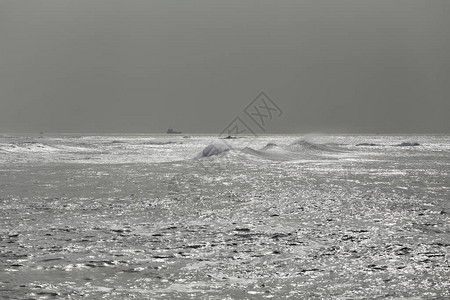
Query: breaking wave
x: 214, y: 149
x: 306, y: 146
x: 30, y: 147
x: 300, y: 149
x: 27, y: 147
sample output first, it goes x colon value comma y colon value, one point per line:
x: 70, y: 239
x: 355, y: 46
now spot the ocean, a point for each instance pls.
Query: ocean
x: 198, y: 217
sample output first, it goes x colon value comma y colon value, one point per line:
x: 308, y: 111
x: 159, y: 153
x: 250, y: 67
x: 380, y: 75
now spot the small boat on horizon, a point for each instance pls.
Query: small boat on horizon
x: 171, y: 131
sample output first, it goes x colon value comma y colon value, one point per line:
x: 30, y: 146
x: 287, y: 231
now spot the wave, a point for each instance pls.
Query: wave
x: 306, y: 146
x: 214, y: 149
x: 407, y: 144
x: 367, y: 144
x: 269, y: 146
x: 297, y: 150
x: 161, y: 143
x: 271, y: 153
x: 404, y: 144
x: 37, y: 147
x: 27, y: 147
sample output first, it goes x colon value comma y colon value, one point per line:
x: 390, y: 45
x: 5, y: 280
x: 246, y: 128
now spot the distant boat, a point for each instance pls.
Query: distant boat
x: 171, y: 131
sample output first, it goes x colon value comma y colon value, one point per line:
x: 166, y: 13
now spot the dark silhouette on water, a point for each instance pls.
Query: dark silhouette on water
x: 171, y: 131
x: 407, y: 144
x: 229, y: 137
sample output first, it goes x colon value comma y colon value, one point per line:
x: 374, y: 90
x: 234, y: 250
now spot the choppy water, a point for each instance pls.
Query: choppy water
x: 138, y: 217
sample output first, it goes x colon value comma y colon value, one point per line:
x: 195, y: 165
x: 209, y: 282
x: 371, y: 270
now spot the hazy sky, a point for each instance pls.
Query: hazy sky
x: 142, y: 65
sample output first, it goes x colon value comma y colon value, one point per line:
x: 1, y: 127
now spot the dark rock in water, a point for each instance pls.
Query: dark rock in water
x: 407, y: 144
x: 229, y: 137
x: 367, y: 144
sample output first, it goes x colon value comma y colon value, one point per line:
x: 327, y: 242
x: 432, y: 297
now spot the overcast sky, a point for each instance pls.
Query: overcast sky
x: 142, y: 66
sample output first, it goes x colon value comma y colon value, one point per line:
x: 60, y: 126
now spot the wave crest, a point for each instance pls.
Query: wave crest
x: 214, y: 149
x: 306, y: 146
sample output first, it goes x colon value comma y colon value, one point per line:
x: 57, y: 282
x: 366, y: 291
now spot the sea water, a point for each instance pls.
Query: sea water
x: 198, y: 217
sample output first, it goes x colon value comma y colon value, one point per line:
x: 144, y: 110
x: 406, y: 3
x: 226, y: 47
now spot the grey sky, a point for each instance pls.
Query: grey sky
x: 142, y: 65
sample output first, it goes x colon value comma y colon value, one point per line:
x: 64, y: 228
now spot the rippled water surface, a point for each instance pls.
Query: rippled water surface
x: 139, y: 217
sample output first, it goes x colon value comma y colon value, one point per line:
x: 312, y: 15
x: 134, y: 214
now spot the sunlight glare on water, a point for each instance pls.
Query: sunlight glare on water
x: 124, y: 217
